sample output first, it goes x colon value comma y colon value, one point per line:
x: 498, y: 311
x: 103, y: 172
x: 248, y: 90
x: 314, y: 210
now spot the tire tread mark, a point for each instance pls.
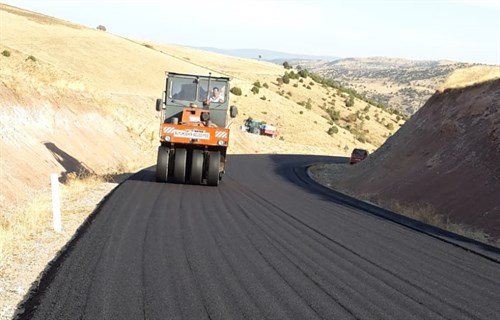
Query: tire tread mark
x: 363, y: 258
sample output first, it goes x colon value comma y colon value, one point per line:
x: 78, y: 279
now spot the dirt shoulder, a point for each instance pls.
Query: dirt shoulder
x: 31, y: 248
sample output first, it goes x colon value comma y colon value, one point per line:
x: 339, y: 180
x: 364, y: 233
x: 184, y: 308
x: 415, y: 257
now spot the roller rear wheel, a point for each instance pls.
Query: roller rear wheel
x: 197, y: 167
x: 213, y: 168
x: 180, y: 165
x: 162, y: 164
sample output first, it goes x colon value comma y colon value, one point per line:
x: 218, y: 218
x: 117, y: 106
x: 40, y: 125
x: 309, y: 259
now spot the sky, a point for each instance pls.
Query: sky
x: 458, y: 30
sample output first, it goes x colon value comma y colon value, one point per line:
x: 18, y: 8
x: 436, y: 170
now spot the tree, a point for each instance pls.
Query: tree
x: 286, y: 65
x: 236, y: 91
x: 333, y: 130
x: 308, y: 104
x: 286, y: 79
x: 303, y: 73
x: 101, y: 27
x: 334, y: 115
x: 349, y: 102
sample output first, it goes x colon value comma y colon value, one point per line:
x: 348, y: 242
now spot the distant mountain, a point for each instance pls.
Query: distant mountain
x: 401, y: 84
x: 398, y: 83
x: 266, y: 55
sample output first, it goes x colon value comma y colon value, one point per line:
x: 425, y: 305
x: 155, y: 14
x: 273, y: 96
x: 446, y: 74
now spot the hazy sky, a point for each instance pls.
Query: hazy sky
x: 460, y: 30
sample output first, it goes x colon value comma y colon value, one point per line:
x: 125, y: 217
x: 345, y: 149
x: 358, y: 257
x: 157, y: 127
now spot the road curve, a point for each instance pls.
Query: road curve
x: 268, y: 243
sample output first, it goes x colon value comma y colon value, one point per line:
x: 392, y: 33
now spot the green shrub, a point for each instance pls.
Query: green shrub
x: 286, y: 79
x: 265, y: 85
x: 349, y: 102
x: 334, y: 115
x: 333, y: 130
x: 6, y: 53
x: 316, y: 77
x: 286, y: 65
x: 295, y: 85
x: 32, y: 58
x: 257, y: 84
x: 308, y: 104
x: 236, y: 91
x: 303, y: 73
x: 351, y: 118
x: 255, y: 90
x: 148, y: 46
x: 358, y: 115
x: 263, y: 98
x: 367, y: 117
x: 390, y: 126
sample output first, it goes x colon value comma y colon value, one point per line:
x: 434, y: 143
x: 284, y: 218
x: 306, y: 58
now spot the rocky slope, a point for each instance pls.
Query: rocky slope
x: 447, y: 155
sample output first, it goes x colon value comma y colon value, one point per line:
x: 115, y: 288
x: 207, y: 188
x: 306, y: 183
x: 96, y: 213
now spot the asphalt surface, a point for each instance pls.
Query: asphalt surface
x: 268, y: 243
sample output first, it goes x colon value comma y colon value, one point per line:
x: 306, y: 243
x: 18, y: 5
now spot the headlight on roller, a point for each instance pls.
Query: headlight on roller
x: 221, y: 143
x: 167, y: 138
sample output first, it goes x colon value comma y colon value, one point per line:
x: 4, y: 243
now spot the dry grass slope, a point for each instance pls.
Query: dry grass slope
x: 470, y: 76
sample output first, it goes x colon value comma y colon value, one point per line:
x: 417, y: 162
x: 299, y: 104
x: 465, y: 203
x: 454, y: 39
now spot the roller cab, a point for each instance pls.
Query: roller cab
x: 194, y: 133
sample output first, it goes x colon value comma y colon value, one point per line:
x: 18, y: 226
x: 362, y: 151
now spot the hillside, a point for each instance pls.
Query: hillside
x: 403, y: 85
x: 81, y: 100
x: 445, y: 158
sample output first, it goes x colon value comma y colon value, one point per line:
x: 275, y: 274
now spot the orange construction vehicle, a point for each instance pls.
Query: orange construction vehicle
x: 193, y: 132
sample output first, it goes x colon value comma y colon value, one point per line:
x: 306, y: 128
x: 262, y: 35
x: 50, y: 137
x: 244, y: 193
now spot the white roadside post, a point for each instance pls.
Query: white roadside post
x: 56, y: 206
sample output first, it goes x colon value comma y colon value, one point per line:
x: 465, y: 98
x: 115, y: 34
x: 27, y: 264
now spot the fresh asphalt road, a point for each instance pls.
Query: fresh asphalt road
x: 268, y: 243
